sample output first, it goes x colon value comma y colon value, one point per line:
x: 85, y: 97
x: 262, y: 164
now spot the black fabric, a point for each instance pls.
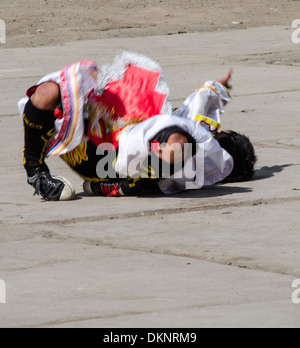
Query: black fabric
x: 86, y: 167
x: 38, y: 129
x: 84, y: 161
x: 135, y: 187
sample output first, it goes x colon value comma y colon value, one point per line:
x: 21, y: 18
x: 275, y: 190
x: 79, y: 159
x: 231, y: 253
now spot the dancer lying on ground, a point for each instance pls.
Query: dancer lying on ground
x: 69, y: 114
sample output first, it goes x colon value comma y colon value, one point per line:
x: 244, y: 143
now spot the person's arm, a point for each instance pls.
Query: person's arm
x: 226, y: 79
x: 207, y: 103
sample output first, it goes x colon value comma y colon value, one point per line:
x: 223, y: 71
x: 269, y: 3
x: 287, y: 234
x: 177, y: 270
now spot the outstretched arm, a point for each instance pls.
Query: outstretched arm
x: 207, y: 101
x: 226, y: 79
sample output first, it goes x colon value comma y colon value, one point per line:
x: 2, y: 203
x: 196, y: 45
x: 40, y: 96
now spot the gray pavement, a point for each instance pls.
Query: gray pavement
x: 224, y: 256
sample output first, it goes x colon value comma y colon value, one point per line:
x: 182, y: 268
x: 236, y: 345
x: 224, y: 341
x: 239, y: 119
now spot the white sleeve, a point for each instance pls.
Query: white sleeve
x: 209, y: 101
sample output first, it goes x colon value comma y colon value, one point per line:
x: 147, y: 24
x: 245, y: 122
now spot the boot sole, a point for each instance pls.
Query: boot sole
x: 68, y: 192
x: 87, y: 188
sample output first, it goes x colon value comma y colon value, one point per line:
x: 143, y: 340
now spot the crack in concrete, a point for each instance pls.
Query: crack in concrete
x: 178, y: 210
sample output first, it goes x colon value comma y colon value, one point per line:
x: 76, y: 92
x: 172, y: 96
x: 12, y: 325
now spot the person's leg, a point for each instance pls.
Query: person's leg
x: 38, y: 119
x: 39, y: 122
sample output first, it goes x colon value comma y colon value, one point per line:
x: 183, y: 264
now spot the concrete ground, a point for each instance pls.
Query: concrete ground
x: 224, y: 256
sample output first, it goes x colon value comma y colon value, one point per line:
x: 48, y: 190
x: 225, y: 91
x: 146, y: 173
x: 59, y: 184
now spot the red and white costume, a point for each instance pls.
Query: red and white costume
x: 127, y: 104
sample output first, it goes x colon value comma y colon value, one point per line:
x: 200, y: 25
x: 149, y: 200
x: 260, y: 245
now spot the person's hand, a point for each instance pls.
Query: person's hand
x: 225, y: 80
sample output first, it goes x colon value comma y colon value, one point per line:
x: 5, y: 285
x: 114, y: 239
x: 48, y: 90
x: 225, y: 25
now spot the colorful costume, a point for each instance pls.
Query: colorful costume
x: 126, y: 106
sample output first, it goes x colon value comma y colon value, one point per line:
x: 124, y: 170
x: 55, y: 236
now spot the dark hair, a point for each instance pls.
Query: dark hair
x: 243, y: 153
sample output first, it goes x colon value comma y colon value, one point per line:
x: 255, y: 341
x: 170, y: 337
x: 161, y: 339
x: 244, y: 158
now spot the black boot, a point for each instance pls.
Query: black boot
x: 51, y: 188
x: 38, y: 129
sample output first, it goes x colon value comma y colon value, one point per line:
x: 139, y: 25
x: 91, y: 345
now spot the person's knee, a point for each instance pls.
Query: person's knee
x: 46, y: 96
